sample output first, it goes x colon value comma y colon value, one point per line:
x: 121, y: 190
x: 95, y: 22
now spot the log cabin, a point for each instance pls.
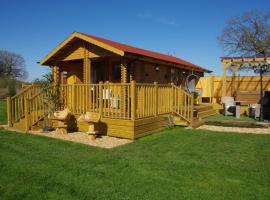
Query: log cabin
x: 136, y: 91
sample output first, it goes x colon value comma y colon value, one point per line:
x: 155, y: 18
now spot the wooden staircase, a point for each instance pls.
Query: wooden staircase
x: 203, y: 111
x: 200, y: 112
x: 26, y: 110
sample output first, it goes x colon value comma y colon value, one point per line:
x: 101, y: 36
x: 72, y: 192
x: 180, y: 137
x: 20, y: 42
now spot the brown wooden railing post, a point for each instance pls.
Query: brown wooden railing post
x: 156, y: 99
x: 9, y: 122
x: 100, y: 98
x: 172, y: 98
x: 191, y: 109
x: 133, y: 99
x: 73, y: 99
x: 26, y: 113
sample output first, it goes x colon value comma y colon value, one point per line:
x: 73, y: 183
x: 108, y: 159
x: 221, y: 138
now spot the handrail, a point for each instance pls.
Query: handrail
x: 183, y: 104
x: 41, y: 91
x: 17, y: 104
x: 22, y: 91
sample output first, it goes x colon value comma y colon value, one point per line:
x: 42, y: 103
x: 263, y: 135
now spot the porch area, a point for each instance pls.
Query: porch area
x: 129, y: 110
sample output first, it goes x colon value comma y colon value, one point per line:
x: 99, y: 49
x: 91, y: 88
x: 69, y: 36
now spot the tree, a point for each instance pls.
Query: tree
x: 52, y: 98
x: 12, y: 65
x: 247, y: 35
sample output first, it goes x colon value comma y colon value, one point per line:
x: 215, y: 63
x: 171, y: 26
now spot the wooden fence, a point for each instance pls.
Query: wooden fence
x: 212, y: 86
x: 128, y: 101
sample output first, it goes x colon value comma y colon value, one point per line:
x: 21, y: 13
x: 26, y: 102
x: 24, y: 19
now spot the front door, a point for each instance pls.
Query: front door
x: 98, y: 71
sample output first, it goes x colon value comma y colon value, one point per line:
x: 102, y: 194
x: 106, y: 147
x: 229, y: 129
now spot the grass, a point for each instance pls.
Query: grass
x: 222, y: 117
x: 3, y: 112
x: 173, y: 164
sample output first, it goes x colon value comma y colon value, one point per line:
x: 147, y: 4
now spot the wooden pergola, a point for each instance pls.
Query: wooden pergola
x: 235, y: 63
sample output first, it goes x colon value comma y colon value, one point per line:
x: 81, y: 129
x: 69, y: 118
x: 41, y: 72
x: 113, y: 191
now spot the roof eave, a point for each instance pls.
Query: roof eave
x: 45, y: 60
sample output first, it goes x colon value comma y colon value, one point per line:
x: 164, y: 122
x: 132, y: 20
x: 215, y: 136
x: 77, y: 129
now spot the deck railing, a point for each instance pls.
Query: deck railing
x: 153, y: 99
x: 112, y: 100
x: 128, y: 101
x: 183, y: 104
x: 16, y: 104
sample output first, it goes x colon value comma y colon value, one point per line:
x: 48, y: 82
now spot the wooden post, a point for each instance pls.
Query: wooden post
x: 133, y: 99
x: 156, y: 98
x: 100, y: 98
x: 55, y: 74
x: 212, y: 89
x: 26, y: 113
x: 224, y: 82
x: 171, y: 99
x: 9, y: 122
x: 123, y: 72
x: 73, y: 98
x: 61, y: 76
x: 233, y: 80
x: 87, y: 70
x: 123, y: 87
x: 192, y: 110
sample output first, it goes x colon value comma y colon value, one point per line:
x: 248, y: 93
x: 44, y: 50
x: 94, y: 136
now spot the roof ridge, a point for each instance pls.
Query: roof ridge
x: 145, y: 52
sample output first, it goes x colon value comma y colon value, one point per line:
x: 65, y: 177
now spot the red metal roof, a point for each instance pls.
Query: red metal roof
x: 151, y: 54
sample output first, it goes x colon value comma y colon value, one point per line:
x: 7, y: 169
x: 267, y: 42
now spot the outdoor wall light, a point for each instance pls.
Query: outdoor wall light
x: 157, y: 68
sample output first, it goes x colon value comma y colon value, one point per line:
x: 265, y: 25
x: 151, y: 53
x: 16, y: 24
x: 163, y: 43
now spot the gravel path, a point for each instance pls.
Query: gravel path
x: 80, y: 137
x: 235, y: 129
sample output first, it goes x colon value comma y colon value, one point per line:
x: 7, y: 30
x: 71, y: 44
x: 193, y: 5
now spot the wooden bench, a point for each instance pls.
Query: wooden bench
x: 247, y: 97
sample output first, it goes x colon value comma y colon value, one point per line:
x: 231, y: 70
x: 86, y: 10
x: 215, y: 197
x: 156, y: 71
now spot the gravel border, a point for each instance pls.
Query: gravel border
x: 235, y: 129
x: 106, y: 142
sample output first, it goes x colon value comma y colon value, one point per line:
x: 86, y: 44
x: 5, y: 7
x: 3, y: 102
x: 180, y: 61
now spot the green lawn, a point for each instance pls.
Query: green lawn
x: 173, y: 164
x: 3, y: 112
x: 222, y: 117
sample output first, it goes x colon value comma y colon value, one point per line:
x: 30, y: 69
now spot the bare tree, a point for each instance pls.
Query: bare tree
x: 247, y: 35
x: 12, y: 65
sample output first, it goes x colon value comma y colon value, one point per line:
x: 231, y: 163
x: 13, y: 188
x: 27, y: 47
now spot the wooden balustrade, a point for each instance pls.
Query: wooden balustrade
x: 145, y: 100
x: 36, y: 109
x: 164, y: 99
x: 182, y: 103
x: 16, y: 107
x: 128, y: 101
x: 103, y: 98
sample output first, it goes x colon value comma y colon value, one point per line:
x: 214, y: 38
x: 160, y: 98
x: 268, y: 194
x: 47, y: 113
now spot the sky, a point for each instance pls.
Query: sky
x: 186, y: 29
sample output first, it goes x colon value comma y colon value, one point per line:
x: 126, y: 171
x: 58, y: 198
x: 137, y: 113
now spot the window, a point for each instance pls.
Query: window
x: 116, y: 72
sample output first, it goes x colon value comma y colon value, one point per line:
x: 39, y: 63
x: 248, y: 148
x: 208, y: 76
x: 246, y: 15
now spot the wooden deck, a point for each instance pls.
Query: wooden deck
x: 129, y: 110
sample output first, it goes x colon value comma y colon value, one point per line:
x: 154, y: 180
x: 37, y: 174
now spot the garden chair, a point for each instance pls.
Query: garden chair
x: 62, y: 118
x: 92, y: 119
x: 229, y: 105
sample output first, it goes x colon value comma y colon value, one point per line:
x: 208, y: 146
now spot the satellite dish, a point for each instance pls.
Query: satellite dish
x: 190, y: 85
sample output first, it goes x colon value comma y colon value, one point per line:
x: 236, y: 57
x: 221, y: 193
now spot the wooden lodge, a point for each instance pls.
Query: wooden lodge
x: 135, y: 91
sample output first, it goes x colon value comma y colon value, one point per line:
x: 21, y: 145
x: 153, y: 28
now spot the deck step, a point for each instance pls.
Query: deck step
x: 178, y: 121
x: 20, y: 124
x: 203, y: 107
x: 206, y: 113
x: 197, y: 123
